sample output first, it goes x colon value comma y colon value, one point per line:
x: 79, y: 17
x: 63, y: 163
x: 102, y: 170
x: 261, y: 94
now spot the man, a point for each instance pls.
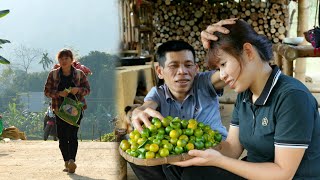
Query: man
x: 186, y: 94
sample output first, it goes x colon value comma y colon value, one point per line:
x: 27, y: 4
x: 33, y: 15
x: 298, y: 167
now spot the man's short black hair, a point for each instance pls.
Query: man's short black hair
x: 172, y: 46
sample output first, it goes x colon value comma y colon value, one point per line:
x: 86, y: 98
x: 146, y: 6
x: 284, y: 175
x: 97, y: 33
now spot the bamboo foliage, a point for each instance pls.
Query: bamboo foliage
x: 4, y: 41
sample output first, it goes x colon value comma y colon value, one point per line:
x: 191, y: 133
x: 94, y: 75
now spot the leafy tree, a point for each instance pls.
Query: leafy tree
x: 101, y: 101
x: 3, y: 41
x: 98, y: 123
x: 102, y: 80
x: 13, y: 82
x: 6, y: 77
x: 35, y: 81
x: 7, y: 93
x: 46, y: 61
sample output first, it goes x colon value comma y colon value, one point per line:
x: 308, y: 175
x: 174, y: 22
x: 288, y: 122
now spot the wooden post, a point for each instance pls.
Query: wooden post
x: 287, y: 67
x: 121, y: 27
x: 278, y: 60
x: 129, y: 24
x: 303, y: 16
x: 291, y: 53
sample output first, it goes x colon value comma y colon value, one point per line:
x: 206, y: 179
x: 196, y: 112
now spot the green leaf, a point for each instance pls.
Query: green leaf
x: 3, y: 60
x: 3, y: 41
x: 4, y: 12
x: 144, y: 143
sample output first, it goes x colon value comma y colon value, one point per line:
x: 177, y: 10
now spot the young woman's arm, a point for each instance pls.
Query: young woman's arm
x: 232, y: 147
x: 216, y: 81
x: 286, y: 163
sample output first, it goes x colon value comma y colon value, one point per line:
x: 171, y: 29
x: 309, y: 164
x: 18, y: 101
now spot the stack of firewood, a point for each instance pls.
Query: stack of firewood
x: 185, y: 21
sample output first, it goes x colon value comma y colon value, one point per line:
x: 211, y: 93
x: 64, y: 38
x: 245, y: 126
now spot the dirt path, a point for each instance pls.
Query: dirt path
x: 43, y: 160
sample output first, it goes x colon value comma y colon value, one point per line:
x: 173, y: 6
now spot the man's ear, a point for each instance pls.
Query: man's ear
x: 197, y: 66
x: 159, y: 71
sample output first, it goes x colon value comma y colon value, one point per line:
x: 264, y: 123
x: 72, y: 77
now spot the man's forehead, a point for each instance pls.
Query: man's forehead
x: 180, y: 60
x: 179, y: 56
x: 182, y: 52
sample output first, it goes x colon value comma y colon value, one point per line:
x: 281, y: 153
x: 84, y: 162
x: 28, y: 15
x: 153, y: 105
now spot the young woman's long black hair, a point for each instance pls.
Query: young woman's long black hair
x: 240, y: 33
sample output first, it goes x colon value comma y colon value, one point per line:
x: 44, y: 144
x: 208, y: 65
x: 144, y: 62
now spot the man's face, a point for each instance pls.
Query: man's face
x: 178, y: 72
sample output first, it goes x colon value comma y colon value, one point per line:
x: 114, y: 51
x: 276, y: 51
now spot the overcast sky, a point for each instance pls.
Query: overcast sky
x: 51, y: 25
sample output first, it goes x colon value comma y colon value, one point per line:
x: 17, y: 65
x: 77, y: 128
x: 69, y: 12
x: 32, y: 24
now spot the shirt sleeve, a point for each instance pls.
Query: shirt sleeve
x: 49, y: 90
x: 204, y: 79
x: 235, y: 115
x: 152, y: 96
x: 295, y: 116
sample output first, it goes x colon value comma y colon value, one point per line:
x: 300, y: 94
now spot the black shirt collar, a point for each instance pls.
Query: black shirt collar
x: 272, y: 80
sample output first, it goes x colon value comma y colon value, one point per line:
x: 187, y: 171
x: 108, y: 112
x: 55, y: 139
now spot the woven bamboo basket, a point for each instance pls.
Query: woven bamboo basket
x: 159, y: 161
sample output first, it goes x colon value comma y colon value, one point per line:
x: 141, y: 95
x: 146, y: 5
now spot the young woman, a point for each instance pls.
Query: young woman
x: 67, y: 77
x: 275, y: 117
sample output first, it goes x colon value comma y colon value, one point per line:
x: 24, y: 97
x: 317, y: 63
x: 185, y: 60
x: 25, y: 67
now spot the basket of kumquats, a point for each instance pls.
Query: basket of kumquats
x: 168, y: 141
